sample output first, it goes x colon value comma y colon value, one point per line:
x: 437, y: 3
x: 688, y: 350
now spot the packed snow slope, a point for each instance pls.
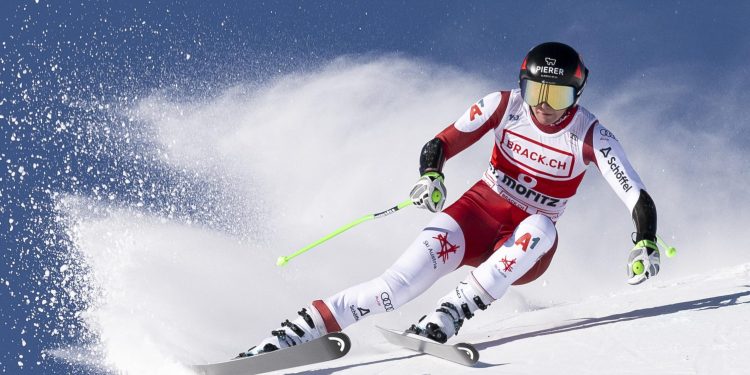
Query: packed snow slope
x: 694, y: 325
x: 307, y: 152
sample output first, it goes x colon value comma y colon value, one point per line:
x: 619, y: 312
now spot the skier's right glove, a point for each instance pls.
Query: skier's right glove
x: 429, y: 192
x: 643, y: 262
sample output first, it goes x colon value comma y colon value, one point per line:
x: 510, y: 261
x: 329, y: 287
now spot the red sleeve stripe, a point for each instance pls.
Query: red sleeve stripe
x: 588, y: 146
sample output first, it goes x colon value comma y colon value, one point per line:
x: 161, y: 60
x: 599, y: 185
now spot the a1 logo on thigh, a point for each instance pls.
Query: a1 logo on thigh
x: 526, y: 241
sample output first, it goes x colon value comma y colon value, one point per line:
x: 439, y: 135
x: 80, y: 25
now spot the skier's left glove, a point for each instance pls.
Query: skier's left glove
x: 643, y: 262
x: 429, y: 192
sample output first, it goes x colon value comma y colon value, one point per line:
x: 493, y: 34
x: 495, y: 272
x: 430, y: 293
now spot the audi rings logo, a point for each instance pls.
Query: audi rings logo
x: 606, y: 133
x: 387, y: 304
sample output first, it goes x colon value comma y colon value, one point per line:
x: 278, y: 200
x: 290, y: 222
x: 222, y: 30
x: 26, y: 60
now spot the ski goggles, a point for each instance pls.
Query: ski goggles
x: 557, y: 97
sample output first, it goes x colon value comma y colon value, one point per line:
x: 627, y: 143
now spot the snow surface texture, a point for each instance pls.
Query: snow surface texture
x: 693, y: 325
x: 311, y: 151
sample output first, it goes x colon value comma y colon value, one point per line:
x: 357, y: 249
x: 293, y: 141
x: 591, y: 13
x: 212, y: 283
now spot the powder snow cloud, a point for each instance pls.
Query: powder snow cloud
x: 316, y: 149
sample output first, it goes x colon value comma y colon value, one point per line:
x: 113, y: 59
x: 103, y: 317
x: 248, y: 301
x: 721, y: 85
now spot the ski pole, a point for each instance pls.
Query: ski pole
x: 638, y: 267
x: 669, y: 250
x: 285, y: 259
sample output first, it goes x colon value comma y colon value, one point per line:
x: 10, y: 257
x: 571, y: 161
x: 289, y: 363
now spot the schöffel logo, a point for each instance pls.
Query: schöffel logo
x: 358, y: 312
x: 550, y: 61
x: 536, y: 156
x: 617, y: 170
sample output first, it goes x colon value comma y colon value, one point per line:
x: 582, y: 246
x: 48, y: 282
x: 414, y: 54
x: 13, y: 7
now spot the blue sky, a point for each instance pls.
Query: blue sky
x: 70, y: 69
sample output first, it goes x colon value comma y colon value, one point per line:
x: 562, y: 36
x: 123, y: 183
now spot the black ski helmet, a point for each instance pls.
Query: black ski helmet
x: 557, y: 64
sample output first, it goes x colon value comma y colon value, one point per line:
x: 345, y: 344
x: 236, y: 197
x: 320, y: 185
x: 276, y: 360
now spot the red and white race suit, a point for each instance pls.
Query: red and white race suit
x: 504, y: 224
x: 539, y: 167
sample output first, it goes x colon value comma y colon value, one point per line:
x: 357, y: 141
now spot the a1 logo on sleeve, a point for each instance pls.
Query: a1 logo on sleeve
x: 478, y: 113
x: 475, y: 110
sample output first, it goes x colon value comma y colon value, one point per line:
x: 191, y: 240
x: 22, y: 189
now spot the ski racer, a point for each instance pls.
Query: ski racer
x: 504, y: 225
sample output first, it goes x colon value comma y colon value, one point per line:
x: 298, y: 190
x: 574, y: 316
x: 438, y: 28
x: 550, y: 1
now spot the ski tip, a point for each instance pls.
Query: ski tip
x: 461, y: 353
x: 342, y: 341
x: 470, y: 351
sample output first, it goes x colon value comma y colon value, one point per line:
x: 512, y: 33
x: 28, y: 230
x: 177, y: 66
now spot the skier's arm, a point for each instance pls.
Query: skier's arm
x: 602, y: 148
x: 429, y: 192
x: 480, y: 118
x: 644, y: 217
x: 432, y: 157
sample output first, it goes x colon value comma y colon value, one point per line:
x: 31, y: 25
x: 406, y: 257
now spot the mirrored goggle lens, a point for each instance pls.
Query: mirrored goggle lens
x: 557, y: 97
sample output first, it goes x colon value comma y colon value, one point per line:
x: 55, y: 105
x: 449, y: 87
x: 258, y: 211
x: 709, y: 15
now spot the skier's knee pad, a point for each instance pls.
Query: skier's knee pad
x: 533, y: 237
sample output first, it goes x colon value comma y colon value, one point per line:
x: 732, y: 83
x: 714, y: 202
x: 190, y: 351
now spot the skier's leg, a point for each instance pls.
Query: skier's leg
x: 437, y: 251
x: 534, y: 237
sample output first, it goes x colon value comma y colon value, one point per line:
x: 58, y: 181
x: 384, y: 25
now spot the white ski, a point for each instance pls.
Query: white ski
x: 331, y: 346
x: 461, y: 353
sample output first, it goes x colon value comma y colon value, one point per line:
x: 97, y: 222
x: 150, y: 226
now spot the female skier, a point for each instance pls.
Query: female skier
x: 504, y: 225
